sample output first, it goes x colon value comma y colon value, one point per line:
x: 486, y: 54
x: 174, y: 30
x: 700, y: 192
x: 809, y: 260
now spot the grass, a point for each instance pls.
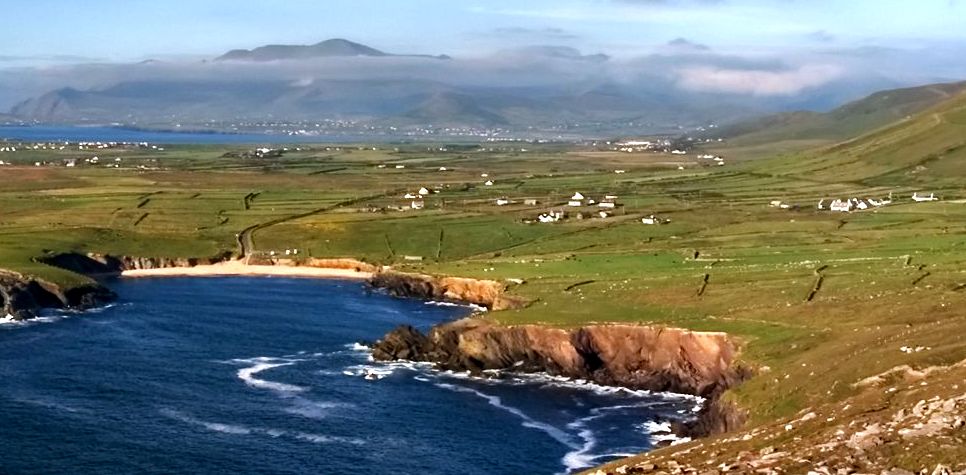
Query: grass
x: 761, y: 260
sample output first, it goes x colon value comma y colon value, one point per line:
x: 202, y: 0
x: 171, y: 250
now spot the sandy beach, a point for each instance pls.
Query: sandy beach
x: 239, y: 268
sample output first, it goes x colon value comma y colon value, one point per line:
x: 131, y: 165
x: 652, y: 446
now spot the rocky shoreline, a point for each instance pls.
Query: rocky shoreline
x: 635, y: 357
x: 23, y: 298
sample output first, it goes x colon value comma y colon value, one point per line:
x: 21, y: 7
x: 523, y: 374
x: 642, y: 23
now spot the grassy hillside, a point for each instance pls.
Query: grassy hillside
x: 880, y: 280
x: 800, y: 130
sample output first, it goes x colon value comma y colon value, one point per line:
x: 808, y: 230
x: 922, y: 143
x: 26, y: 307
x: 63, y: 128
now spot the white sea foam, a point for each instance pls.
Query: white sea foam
x: 661, y: 432
x: 555, y: 433
x: 212, y: 426
x: 234, y: 429
x: 248, y: 376
x: 357, y: 347
x: 315, y: 409
x: 50, y: 316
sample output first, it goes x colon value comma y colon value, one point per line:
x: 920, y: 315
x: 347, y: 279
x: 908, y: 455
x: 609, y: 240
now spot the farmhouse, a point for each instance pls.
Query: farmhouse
x: 654, y: 220
x: 417, y: 204
x: 841, y: 206
x: 502, y: 201
x: 923, y: 198
x: 488, y: 183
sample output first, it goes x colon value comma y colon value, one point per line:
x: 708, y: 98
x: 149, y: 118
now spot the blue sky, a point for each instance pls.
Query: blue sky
x: 136, y: 29
x: 782, y: 49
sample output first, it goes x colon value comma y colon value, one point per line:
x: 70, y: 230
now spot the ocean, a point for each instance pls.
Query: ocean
x: 268, y: 376
x: 55, y: 133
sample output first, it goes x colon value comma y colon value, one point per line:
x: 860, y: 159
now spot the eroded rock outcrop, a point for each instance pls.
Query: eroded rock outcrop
x: 22, y: 298
x: 638, y: 357
x: 486, y: 293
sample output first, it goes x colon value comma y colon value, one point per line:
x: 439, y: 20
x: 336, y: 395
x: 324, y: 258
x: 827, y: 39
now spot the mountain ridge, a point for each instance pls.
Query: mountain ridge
x: 335, y: 47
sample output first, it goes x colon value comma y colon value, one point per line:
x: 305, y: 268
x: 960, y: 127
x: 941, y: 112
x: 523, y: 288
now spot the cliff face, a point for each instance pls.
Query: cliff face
x: 486, y: 293
x: 96, y: 265
x: 630, y: 356
x: 636, y: 357
x: 23, y: 298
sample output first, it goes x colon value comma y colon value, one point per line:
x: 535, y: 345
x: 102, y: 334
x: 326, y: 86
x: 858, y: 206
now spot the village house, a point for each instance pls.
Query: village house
x: 603, y: 214
x: 551, y: 216
x: 530, y: 202
x: 922, y: 198
x: 841, y: 206
x: 607, y: 204
x: 488, y: 183
x: 654, y: 220
x: 502, y: 201
x: 417, y: 204
x: 423, y: 191
x: 577, y: 200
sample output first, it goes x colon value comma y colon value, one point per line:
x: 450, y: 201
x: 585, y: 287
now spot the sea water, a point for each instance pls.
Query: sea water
x: 267, y: 375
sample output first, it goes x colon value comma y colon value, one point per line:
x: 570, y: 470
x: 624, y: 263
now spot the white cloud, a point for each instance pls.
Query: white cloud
x: 756, y: 82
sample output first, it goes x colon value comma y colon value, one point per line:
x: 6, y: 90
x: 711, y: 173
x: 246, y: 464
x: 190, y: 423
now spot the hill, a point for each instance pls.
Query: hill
x: 850, y: 120
x: 325, y: 49
x: 396, y: 102
x: 927, y: 149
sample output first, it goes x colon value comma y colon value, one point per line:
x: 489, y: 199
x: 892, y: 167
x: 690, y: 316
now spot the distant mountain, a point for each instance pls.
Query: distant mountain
x: 456, y: 109
x: 397, y: 102
x: 850, y: 120
x: 326, y: 49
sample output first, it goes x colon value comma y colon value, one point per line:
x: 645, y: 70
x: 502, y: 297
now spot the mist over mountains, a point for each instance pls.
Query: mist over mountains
x: 681, y: 84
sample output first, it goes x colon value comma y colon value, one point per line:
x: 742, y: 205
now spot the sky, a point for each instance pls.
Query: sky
x: 760, y: 48
x: 126, y: 30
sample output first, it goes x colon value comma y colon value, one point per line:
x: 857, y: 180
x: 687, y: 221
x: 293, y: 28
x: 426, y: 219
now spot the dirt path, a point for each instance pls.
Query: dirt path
x: 246, y: 238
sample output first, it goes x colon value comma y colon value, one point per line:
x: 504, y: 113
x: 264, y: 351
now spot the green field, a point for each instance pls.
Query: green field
x: 893, y: 276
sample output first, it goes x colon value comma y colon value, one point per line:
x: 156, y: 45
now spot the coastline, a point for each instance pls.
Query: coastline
x: 235, y: 268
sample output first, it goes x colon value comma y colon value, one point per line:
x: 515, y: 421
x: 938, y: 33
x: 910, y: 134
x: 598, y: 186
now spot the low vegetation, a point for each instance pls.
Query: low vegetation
x: 819, y: 300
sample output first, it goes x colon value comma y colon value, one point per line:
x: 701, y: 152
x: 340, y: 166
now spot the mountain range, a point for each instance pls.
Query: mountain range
x: 341, y: 80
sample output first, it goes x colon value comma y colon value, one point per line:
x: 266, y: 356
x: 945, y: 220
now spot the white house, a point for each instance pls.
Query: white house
x: 841, y: 206
x: 922, y: 198
x: 620, y: 172
x: 578, y: 196
x: 551, y: 217
x: 649, y: 220
x: 423, y: 191
x: 575, y: 203
x: 400, y: 167
x: 411, y: 196
x: 488, y: 183
x: 416, y: 204
x: 530, y: 202
x: 607, y: 204
x: 678, y: 152
x: 603, y: 214
x: 502, y: 202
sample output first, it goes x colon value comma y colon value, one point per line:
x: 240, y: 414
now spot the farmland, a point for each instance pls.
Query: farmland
x: 819, y: 300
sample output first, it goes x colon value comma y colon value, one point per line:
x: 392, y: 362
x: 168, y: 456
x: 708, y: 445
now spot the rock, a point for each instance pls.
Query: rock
x: 23, y: 298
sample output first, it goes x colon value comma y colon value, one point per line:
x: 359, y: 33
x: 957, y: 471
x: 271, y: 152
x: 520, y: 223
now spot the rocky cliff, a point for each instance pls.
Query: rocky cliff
x: 638, y: 357
x: 97, y: 265
x: 23, y: 297
x: 485, y: 293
